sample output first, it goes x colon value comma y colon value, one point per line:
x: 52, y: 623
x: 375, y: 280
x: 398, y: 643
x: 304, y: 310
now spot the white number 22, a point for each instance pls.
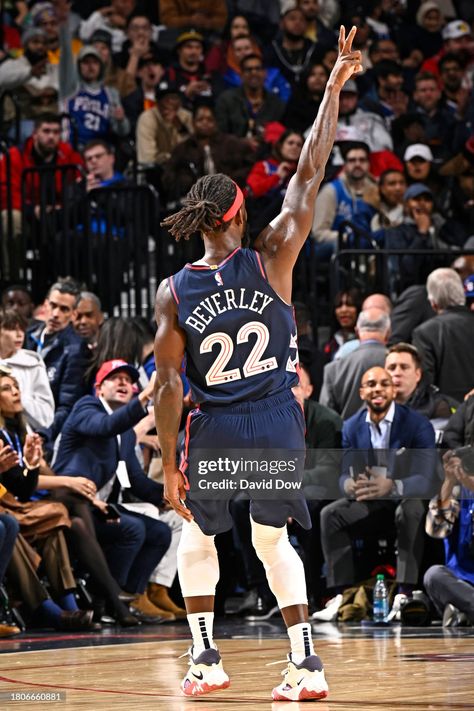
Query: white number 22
x: 216, y: 375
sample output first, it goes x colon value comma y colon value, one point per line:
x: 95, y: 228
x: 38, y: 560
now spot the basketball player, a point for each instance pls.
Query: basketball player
x: 229, y: 314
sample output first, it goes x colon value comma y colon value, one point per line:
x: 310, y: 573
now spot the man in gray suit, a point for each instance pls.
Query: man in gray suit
x: 341, y: 381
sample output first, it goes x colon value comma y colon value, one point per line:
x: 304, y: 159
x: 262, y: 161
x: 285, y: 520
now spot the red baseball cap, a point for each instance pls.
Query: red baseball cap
x: 112, y: 366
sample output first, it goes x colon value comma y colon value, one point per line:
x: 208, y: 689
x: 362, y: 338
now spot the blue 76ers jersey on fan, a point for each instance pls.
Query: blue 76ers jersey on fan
x: 91, y: 113
x: 241, y: 336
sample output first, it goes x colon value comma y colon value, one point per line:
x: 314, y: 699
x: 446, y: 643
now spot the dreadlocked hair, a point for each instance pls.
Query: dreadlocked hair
x: 203, y: 207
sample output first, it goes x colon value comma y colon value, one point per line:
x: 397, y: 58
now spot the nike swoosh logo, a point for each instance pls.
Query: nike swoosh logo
x: 199, y: 676
x: 302, y: 679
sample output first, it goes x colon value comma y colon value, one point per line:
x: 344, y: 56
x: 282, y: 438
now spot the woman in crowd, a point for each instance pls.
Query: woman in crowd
x: 347, y: 305
x: 28, y: 368
x: 42, y: 524
x: 268, y: 180
x: 304, y: 103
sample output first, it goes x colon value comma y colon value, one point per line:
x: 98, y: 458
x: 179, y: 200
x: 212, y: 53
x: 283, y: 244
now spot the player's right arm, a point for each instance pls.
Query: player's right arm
x: 170, y: 342
x: 280, y: 242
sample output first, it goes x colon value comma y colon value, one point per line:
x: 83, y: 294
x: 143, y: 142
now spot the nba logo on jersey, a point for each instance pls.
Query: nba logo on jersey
x: 218, y: 278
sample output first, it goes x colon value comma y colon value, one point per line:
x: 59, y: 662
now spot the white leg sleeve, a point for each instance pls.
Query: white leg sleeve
x: 198, y: 566
x: 165, y: 571
x: 283, y: 566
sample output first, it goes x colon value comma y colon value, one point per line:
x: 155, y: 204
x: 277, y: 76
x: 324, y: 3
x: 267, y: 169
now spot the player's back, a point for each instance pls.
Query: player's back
x: 240, y: 335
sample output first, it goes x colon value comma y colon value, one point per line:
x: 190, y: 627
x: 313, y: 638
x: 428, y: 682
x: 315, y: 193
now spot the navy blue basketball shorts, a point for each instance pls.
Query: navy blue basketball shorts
x: 274, y: 423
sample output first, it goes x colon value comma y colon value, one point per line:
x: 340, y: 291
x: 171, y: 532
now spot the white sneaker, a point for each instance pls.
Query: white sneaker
x: 302, y: 682
x: 399, y: 601
x: 205, y: 674
x: 329, y: 614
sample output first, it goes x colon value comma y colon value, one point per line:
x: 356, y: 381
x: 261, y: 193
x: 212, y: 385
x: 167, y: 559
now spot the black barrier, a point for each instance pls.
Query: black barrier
x: 11, y: 244
x: 52, y: 202
x: 369, y: 268
x: 120, y: 240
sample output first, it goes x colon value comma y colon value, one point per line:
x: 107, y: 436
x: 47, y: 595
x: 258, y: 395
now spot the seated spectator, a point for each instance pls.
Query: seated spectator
x: 112, y: 18
x: 47, y: 17
x: 291, y: 51
x: 243, y: 46
x: 89, y: 317
x: 347, y: 305
x: 387, y: 98
x: 28, y: 369
x: 160, y: 129
x: 373, y: 301
x: 450, y: 586
x: 422, y: 228
x: 458, y: 196
x: 341, y: 384
x: 62, y: 350
x: 206, y: 152
x: 246, y: 110
x: 98, y: 440
x: 99, y: 159
x: 205, y: 15
x: 419, y: 167
x: 150, y: 72
x: 440, y: 124
x: 351, y: 197
x: 32, y: 77
x: 188, y: 72
x: 316, y: 30
x: 410, y: 309
x: 370, y: 125
x: 220, y: 54
x: 44, y: 147
x: 95, y: 110
x: 381, y: 488
x: 304, y: 102
x: 403, y: 362
x: 139, y: 43
x: 114, y: 76
x: 392, y: 187
x: 425, y: 37
x: 18, y: 298
x: 455, y: 95
x: 445, y: 341
x: 457, y: 38
x: 269, y: 178
x: 41, y: 524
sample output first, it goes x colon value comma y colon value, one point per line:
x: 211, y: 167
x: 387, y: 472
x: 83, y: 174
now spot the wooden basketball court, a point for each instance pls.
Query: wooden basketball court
x: 400, y: 670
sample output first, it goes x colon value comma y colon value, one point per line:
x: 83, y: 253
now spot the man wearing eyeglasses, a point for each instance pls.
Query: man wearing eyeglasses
x: 388, y: 469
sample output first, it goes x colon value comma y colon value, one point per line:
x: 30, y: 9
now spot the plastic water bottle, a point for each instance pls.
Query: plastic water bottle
x: 380, y: 609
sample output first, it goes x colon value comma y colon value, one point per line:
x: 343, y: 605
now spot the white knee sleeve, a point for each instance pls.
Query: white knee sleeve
x: 198, y: 567
x: 283, y: 566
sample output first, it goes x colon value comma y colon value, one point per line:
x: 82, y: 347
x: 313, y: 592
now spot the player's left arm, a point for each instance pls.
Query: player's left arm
x: 281, y: 242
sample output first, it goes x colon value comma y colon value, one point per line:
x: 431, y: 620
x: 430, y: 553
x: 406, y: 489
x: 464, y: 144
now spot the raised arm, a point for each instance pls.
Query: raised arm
x: 282, y: 240
x: 170, y: 343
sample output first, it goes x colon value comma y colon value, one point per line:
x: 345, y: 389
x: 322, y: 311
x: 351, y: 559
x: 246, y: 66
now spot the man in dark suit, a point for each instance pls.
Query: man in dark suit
x: 98, y: 441
x: 340, y: 389
x: 64, y: 352
x: 445, y: 341
x: 383, y: 479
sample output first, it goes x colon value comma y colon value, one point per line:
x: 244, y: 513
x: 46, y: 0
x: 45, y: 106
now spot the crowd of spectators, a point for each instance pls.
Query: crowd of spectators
x: 131, y: 91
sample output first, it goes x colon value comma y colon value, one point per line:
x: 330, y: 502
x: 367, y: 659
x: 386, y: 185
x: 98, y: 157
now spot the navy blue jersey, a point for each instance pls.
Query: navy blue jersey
x: 90, y: 111
x: 240, y: 335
